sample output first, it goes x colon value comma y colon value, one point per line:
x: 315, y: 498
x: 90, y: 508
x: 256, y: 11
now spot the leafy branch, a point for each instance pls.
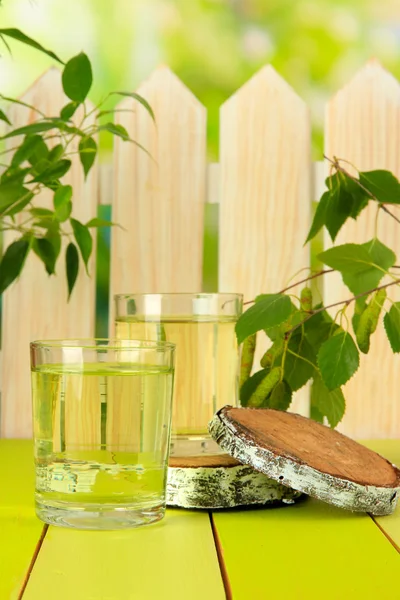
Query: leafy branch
x: 41, y: 160
x: 306, y: 342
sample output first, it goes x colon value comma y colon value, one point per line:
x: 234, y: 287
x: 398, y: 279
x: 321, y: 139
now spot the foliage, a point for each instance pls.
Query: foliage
x: 307, y: 343
x: 40, y: 159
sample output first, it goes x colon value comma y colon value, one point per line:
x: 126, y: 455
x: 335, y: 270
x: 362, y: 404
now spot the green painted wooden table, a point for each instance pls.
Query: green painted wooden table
x: 309, y: 551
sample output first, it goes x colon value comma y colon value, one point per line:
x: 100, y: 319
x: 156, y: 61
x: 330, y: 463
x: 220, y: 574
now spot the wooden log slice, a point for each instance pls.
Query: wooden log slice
x: 308, y: 457
x: 220, y: 481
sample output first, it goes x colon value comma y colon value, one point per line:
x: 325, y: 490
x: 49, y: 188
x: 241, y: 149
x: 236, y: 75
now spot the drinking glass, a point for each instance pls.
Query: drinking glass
x: 102, y: 416
x: 207, y: 360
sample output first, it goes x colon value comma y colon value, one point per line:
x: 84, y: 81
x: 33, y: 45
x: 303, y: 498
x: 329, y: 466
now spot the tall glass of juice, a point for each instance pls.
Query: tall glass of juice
x: 206, y: 376
x: 102, y: 416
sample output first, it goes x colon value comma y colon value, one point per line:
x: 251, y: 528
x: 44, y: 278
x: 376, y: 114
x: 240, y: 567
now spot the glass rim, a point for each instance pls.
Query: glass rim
x: 103, y: 343
x: 183, y: 294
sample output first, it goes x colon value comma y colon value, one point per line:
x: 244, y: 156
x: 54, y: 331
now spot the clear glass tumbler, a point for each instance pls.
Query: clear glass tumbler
x: 207, y: 359
x: 102, y: 421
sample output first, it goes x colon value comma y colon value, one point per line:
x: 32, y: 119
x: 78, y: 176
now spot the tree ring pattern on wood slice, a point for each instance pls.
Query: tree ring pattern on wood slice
x: 309, y: 457
x: 218, y: 482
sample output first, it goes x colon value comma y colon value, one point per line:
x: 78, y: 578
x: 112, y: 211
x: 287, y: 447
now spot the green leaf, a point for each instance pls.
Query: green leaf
x: 99, y: 223
x: 16, y: 34
x: 77, y: 77
x: 53, y: 173
x: 338, y: 359
x: 3, y: 117
x: 26, y: 149
x: 269, y: 310
x: 16, y: 207
x: 13, y: 195
x: 45, y: 222
x: 139, y: 99
x: 121, y: 132
x: 359, y: 307
x: 41, y: 212
x: 44, y: 249
x: 298, y: 371
x: 56, y: 153
x: 383, y: 185
x: 391, y: 322
x: 250, y: 386
x: 319, y: 217
x: 87, y: 153
x: 338, y: 210
x: 281, y: 396
x: 72, y: 266
x: 319, y: 328
x: 62, y: 202
x: 344, y: 199
x: 382, y: 257
x: 83, y: 239
x: 68, y: 110
x: 117, y: 130
x: 360, y: 199
x: 348, y: 258
x: 278, y: 332
x: 12, y: 262
x: 328, y: 403
x: 58, y: 123
x: 53, y: 235
x: 14, y: 175
x: 38, y: 127
x: 39, y: 151
x: 315, y: 415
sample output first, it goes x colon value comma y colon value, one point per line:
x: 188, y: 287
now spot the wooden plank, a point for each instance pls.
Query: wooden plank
x: 265, y: 190
x: 36, y: 306
x: 160, y: 200
x: 20, y: 530
x: 17, y: 476
x: 20, y: 537
x: 363, y: 127
x: 390, y: 525
x: 174, y: 559
x: 307, y: 551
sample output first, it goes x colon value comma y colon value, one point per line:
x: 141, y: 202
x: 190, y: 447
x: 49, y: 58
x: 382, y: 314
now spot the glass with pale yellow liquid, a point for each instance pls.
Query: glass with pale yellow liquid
x: 202, y: 326
x: 101, y: 420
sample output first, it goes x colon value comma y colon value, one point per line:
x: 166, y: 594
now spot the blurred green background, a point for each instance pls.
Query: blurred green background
x: 214, y: 46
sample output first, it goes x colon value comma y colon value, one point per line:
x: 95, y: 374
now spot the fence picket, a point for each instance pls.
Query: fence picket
x: 36, y: 307
x: 265, y: 189
x: 159, y: 199
x: 363, y: 127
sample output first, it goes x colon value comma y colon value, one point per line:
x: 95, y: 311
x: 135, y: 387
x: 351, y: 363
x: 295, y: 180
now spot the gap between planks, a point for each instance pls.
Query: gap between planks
x: 220, y: 555
x: 387, y: 536
x: 33, y: 561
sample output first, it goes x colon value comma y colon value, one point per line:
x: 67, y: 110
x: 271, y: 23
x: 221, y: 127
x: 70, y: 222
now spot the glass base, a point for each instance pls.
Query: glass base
x: 194, y: 445
x: 98, y: 516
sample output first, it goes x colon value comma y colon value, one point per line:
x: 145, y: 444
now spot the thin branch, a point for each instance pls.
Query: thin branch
x: 346, y: 302
x: 387, y: 211
x: 302, y: 358
x: 293, y: 285
x: 323, y: 272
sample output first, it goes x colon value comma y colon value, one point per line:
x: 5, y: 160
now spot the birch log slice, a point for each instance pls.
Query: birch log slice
x: 220, y: 481
x: 309, y: 457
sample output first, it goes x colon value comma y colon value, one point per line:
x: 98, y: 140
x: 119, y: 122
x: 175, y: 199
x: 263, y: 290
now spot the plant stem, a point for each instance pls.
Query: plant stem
x: 387, y: 211
x: 303, y: 358
x: 293, y: 285
x: 323, y: 272
x: 346, y: 302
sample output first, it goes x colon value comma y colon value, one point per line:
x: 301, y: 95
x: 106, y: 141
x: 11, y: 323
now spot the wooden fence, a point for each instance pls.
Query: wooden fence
x: 264, y: 183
